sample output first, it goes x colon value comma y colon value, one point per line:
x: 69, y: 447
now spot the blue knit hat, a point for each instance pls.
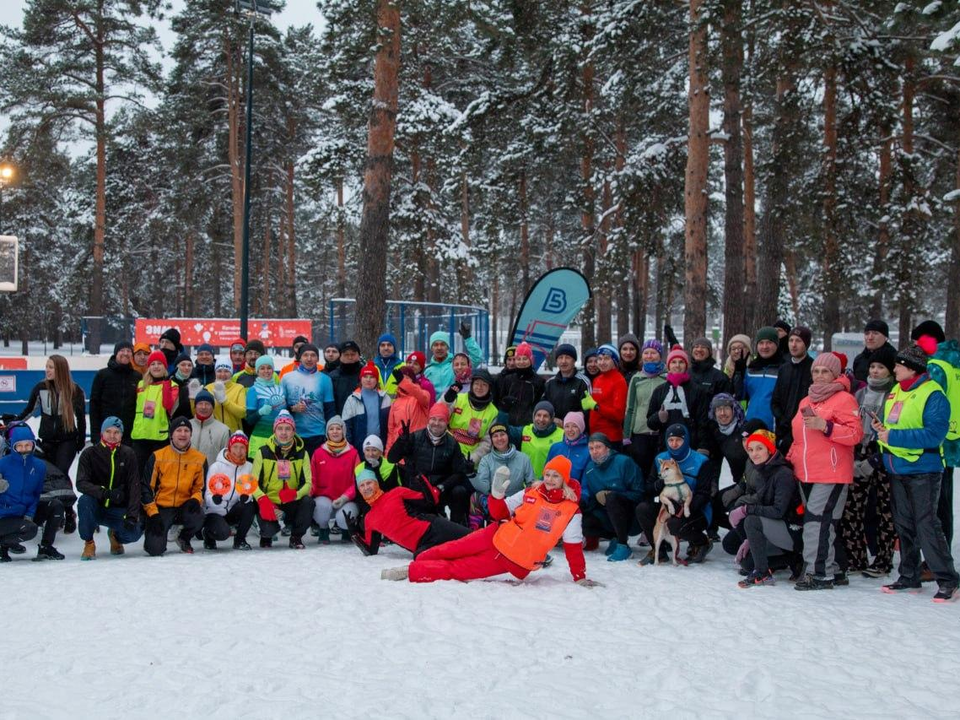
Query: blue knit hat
x: 112, y: 421
x: 610, y: 350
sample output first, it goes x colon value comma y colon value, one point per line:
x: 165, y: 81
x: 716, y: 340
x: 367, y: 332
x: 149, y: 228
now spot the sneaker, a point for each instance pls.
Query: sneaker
x: 89, y: 550
x: 875, y: 572
x: 296, y: 543
x: 266, y: 542
x: 48, y: 552
x: 5, y: 555
x: 590, y: 543
x: 69, y: 522
x: 184, y: 544
x: 241, y: 544
x: 323, y: 537
x: 620, y: 553
x: 17, y: 549
x: 944, y: 595
x: 841, y: 579
x: 926, y: 574
x: 397, y: 573
x: 757, y: 579
x: 698, y: 553
x: 116, y: 547
x: 811, y: 582
x: 642, y: 541
x: 898, y: 586
x: 611, y: 548
x: 713, y: 536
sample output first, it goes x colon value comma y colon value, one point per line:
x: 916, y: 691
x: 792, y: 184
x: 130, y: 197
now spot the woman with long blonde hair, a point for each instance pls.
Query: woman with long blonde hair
x: 63, y: 424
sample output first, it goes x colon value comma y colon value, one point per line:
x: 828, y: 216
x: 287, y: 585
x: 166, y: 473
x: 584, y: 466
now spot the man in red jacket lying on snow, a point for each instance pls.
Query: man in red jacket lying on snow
x: 532, y: 521
x: 402, y: 515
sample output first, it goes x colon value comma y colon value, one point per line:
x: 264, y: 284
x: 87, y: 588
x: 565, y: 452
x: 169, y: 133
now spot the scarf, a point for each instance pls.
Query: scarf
x: 822, y: 391
x: 546, y: 432
x: 435, y: 439
x: 651, y: 369
x: 110, y: 446
x: 506, y: 454
x: 676, y: 379
x: 479, y: 403
x: 336, y: 448
x: 377, y: 494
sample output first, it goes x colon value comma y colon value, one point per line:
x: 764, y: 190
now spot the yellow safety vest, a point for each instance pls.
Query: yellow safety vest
x: 903, y: 410
x: 150, y: 403
x: 952, y: 391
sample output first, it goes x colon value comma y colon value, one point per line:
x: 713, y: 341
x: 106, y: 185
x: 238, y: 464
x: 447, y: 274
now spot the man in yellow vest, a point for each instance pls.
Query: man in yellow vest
x: 944, y: 368
x: 910, y: 434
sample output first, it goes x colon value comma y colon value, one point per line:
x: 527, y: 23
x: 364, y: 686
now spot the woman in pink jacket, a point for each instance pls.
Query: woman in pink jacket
x: 826, y: 429
x: 332, y: 469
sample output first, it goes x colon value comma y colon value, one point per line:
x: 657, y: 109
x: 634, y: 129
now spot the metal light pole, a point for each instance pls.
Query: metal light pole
x: 6, y: 173
x: 250, y: 9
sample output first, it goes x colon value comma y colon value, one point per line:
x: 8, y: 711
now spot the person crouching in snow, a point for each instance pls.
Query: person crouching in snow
x: 532, y: 522
x: 332, y: 470
x: 227, y: 507
x: 404, y: 516
x: 21, y: 485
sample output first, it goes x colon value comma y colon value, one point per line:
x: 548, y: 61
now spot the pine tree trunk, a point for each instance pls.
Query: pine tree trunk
x: 371, y: 307
x: 265, y: 279
x: 236, y: 164
x: 909, y: 230
x: 188, y: 298
x: 291, y: 245
x: 951, y: 325
x: 100, y: 212
x: 588, y: 194
x: 695, y: 186
x: 734, y: 281
x: 749, y: 225
x: 883, y: 230
x: 433, y: 263
x: 341, y: 261
x: 604, y: 309
x: 831, y: 245
x: 524, y: 235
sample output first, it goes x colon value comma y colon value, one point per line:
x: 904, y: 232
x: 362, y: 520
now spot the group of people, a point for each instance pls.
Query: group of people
x: 479, y: 474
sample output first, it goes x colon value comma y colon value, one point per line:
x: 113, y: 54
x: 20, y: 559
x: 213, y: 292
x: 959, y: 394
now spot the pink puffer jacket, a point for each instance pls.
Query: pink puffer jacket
x: 821, y: 456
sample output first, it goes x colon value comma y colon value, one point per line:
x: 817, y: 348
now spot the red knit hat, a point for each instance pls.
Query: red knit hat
x: 418, y: 357
x: 678, y: 352
x: 157, y: 356
x: 525, y: 349
x: 765, y: 438
x: 369, y: 370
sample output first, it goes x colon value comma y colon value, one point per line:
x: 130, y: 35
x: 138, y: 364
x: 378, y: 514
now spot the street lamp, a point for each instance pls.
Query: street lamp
x: 6, y: 175
x: 250, y: 9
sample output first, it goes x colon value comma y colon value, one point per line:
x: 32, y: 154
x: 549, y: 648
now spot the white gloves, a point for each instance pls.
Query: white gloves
x: 220, y: 392
x: 501, y: 479
x: 193, y: 387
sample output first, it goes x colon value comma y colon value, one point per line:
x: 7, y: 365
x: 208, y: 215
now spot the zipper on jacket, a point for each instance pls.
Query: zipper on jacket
x: 110, y: 486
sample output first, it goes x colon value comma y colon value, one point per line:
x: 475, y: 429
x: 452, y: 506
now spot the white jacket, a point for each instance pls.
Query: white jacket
x: 231, y: 497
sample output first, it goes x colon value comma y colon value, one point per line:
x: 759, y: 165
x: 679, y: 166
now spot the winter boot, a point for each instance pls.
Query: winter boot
x: 266, y: 542
x: 590, y: 543
x: 208, y: 542
x: 611, y: 547
x: 323, y: 537
x: 811, y: 582
x: 345, y: 536
x: 841, y: 579
x: 899, y: 586
x: 875, y: 571
x: 698, y: 553
x: 287, y: 530
x: 796, y: 567
x: 757, y: 579
x: 47, y: 552
x: 241, y: 544
x: 89, y: 550
x: 620, y: 553
x: 314, y: 529
x: 69, y: 522
x: 649, y: 558
x: 397, y: 573
x: 5, y: 555
x: 296, y: 542
x: 547, y: 561
x: 116, y: 547
x: 946, y: 595
x: 17, y: 549
x: 184, y: 544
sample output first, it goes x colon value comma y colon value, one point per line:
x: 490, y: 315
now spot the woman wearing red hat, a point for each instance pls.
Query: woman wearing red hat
x: 156, y: 401
x: 533, y: 520
x: 414, y: 398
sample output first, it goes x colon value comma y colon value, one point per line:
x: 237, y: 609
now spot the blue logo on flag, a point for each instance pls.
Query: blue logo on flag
x: 556, y: 301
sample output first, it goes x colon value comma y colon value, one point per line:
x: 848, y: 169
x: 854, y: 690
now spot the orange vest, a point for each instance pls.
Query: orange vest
x: 534, y: 529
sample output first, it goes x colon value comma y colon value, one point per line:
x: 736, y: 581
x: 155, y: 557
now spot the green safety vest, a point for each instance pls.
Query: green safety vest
x: 903, y: 410
x: 952, y: 391
x: 150, y: 428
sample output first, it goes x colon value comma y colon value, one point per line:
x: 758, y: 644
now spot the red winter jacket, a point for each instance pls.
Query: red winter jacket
x: 820, y: 456
x: 396, y: 516
x: 333, y: 475
x: 610, y: 393
x: 411, y: 405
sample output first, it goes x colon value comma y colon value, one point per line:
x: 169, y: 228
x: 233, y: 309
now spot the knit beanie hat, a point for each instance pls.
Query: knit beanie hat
x: 510, y: 352
x: 223, y: 363
x: 677, y: 430
x: 285, y: 418
x: 264, y: 360
x: 112, y: 421
x: 373, y: 441
x: 308, y: 346
x: 804, y: 333
x: 914, y: 358
x: 369, y: 370
x: 575, y: 418
x: 498, y: 427
x: 439, y: 410
x: 337, y: 420
x: 885, y: 355
x: 156, y: 356
x: 205, y: 347
x: 179, y: 422
x: 767, y: 333
x: 565, y: 349
x: 877, y: 326
x: 203, y: 396
x: 830, y: 361
x: 703, y: 342
x: 482, y: 374
x: 601, y: 438
x: 655, y: 344
x: 366, y: 474
x: 349, y: 345
x: 765, y: 438
x: 545, y: 405
x: 418, y: 357
x: 610, y: 351
x: 678, y: 353
x: 931, y: 328
x: 562, y: 465
x: 122, y: 345
x: 238, y: 437
x: 183, y: 357
x: 782, y: 325
x: 256, y: 345
x: 525, y: 349
x: 440, y: 336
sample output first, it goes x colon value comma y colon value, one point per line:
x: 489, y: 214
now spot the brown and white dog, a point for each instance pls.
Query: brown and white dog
x: 676, y: 494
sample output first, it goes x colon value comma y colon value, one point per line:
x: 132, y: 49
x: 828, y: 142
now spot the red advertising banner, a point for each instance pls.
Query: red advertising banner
x: 220, y: 331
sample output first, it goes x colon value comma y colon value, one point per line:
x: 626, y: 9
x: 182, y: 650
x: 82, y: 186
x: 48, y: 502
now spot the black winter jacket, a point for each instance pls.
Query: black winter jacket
x: 698, y: 406
x: 709, y: 379
x: 422, y: 457
x: 345, y: 379
x: 566, y: 394
x: 520, y: 391
x: 777, y: 493
x: 114, y: 392
x: 96, y: 472
x: 793, y: 383
x: 51, y: 424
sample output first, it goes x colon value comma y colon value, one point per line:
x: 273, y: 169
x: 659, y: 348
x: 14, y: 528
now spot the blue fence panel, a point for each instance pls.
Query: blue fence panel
x: 15, y: 401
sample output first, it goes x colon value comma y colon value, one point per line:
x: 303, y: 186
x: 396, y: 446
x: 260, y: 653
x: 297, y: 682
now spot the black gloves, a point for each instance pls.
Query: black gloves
x: 114, y: 495
x: 451, y: 394
x: 154, y: 525
x: 130, y: 523
x: 740, y: 366
x: 670, y: 336
x: 192, y: 505
x: 244, y: 498
x: 465, y: 330
x: 217, y: 499
x: 397, y: 375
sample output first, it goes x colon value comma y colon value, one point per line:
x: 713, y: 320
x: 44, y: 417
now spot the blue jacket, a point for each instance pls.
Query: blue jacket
x: 756, y: 387
x: 578, y: 453
x: 355, y: 418
x: 25, y: 473
x: 936, y: 420
x: 316, y: 390
x: 949, y: 352
x: 386, y: 365
x: 617, y: 473
x: 690, y: 463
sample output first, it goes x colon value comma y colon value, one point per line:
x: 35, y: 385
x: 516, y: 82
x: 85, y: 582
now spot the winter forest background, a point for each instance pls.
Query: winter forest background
x: 705, y: 162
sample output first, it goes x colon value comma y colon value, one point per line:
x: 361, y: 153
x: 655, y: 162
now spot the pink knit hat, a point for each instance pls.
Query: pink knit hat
x: 678, y: 352
x: 524, y: 348
x: 830, y: 361
x: 576, y: 418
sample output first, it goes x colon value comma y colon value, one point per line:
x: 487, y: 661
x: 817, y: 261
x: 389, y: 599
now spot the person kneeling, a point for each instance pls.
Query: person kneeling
x: 109, y: 482
x: 175, y: 478
x: 225, y: 503
x: 404, y: 516
x: 21, y: 484
x: 615, y: 487
x: 533, y: 521
x: 282, y: 471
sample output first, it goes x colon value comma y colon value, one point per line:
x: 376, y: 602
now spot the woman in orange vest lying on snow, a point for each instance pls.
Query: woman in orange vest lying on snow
x: 531, y: 522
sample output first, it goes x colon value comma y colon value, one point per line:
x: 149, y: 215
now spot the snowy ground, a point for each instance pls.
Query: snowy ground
x: 285, y: 633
